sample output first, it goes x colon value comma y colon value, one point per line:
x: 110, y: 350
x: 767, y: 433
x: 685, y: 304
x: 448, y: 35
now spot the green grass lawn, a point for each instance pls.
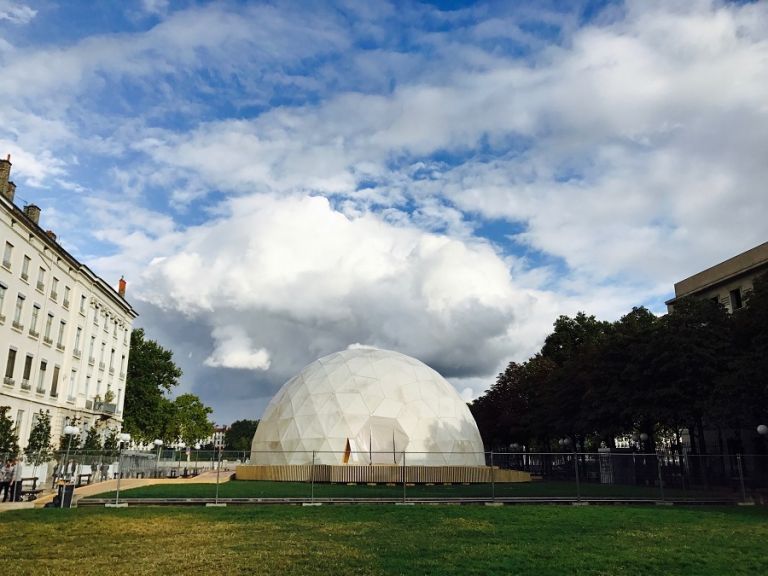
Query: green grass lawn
x: 259, y: 489
x: 338, y: 540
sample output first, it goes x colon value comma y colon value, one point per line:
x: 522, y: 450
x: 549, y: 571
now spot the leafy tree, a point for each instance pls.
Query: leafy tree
x: 151, y: 374
x: 190, y: 419
x: 240, y: 435
x: 111, y: 443
x: 39, y: 448
x: 9, y: 440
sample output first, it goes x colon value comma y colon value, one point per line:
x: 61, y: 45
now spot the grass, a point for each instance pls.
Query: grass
x: 261, y: 489
x: 373, y: 540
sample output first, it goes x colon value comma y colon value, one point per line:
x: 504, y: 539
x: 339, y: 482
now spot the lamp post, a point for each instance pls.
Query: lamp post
x: 762, y: 429
x: 157, y: 442
x: 69, y: 431
x: 122, y: 439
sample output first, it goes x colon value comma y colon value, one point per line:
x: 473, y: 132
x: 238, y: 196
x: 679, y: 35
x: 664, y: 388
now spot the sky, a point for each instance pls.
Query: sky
x: 278, y: 181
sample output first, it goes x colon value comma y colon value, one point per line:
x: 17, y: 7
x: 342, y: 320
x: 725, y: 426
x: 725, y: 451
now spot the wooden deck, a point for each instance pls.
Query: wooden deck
x: 380, y: 474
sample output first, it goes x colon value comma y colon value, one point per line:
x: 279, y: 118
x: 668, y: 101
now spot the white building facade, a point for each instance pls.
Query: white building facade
x: 64, y: 332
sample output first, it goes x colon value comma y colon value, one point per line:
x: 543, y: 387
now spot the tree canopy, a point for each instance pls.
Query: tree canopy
x: 149, y: 412
x: 697, y: 367
x: 240, y: 434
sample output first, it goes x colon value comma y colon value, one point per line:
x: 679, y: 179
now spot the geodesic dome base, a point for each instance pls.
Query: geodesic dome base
x: 367, y: 406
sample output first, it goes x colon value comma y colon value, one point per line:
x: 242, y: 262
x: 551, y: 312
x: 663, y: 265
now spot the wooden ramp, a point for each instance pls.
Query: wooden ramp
x: 380, y: 474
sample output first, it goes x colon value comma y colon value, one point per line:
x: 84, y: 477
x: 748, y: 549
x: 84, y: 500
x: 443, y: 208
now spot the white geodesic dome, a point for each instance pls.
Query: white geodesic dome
x: 367, y: 406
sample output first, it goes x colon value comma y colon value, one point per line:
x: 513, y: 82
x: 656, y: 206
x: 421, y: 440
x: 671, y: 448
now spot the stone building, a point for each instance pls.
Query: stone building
x: 726, y: 282
x: 64, y: 331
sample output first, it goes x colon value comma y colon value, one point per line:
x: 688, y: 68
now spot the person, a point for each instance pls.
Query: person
x: 104, y: 471
x: 16, y: 479
x: 6, y: 476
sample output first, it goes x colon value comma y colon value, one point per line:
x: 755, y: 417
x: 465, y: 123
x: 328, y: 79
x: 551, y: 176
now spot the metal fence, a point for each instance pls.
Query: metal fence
x: 620, y: 476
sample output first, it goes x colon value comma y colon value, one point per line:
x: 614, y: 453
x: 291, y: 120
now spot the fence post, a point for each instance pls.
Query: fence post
x: 493, y: 481
x: 404, y: 477
x: 661, y: 479
x: 218, y: 471
x: 741, y: 478
x: 578, y: 484
x: 312, y: 479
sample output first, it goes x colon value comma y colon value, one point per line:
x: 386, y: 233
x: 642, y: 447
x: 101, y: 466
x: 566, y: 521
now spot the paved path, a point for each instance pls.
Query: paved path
x: 207, y: 477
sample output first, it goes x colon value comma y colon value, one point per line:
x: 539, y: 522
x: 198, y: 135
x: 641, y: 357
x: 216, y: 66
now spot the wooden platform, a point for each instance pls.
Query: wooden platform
x: 380, y: 474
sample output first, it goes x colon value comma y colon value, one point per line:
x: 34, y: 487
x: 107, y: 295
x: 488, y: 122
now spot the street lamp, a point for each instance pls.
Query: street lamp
x: 70, y: 431
x: 157, y: 442
x: 762, y: 429
x: 122, y: 439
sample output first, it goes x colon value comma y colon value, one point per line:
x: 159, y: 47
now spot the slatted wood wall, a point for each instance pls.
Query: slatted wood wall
x: 380, y: 474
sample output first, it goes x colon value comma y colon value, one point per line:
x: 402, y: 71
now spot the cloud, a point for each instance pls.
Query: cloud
x: 16, y: 12
x: 233, y: 350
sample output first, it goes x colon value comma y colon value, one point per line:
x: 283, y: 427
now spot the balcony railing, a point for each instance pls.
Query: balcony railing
x: 25, y: 385
x: 101, y: 365
x: 34, y: 333
x: 8, y: 381
x: 60, y: 346
x: 41, y: 286
x: 89, y: 404
x: 122, y: 375
x: 76, y: 353
x: 111, y: 370
x: 48, y: 341
x: 91, y: 360
x: 18, y: 325
x: 66, y: 304
x: 54, y: 295
x: 104, y: 407
x: 7, y: 264
x: 40, y: 390
x: 24, y: 276
x: 2, y: 319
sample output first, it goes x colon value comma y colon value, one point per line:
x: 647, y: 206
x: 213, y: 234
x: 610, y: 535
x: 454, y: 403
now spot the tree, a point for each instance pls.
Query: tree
x: 151, y: 375
x: 9, y: 440
x: 240, y: 434
x: 39, y: 448
x: 190, y: 418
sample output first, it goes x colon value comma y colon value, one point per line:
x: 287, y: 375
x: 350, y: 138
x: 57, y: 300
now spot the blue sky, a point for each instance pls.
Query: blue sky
x: 278, y: 181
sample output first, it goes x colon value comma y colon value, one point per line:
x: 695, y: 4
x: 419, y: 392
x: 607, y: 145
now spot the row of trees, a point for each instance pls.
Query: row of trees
x: 696, y: 368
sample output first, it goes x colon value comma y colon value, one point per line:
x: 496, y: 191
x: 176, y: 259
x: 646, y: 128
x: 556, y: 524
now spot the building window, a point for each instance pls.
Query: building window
x: 7, y: 254
x: 101, y: 357
x: 3, y: 288
x: 41, y: 279
x: 82, y: 304
x: 91, y: 348
x: 18, y: 312
x: 33, y: 320
x: 87, y: 385
x: 60, y: 338
x: 41, y: 376
x: 27, y: 370
x: 78, y: 335
x: 736, y: 302
x: 112, y: 361
x: 72, y: 385
x: 10, y: 365
x: 65, y: 303
x: 25, y: 268
x: 48, y: 327
x: 96, y: 317
x: 54, y: 288
x: 55, y: 382
x: 19, y: 422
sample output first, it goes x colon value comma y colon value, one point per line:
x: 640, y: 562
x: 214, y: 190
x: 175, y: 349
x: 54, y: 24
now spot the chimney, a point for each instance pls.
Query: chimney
x: 32, y: 212
x: 7, y: 188
x: 121, y: 287
x: 51, y: 234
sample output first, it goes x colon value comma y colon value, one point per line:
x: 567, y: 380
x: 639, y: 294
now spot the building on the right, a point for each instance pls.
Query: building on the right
x: 727, y: 282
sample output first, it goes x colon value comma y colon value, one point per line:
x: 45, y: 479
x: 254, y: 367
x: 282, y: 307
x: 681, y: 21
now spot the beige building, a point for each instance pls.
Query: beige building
x: 64, y: 332
x: 727, y: 282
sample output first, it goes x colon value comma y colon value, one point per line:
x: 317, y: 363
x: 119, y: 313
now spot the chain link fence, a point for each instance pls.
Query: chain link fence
x: 201, y: 475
